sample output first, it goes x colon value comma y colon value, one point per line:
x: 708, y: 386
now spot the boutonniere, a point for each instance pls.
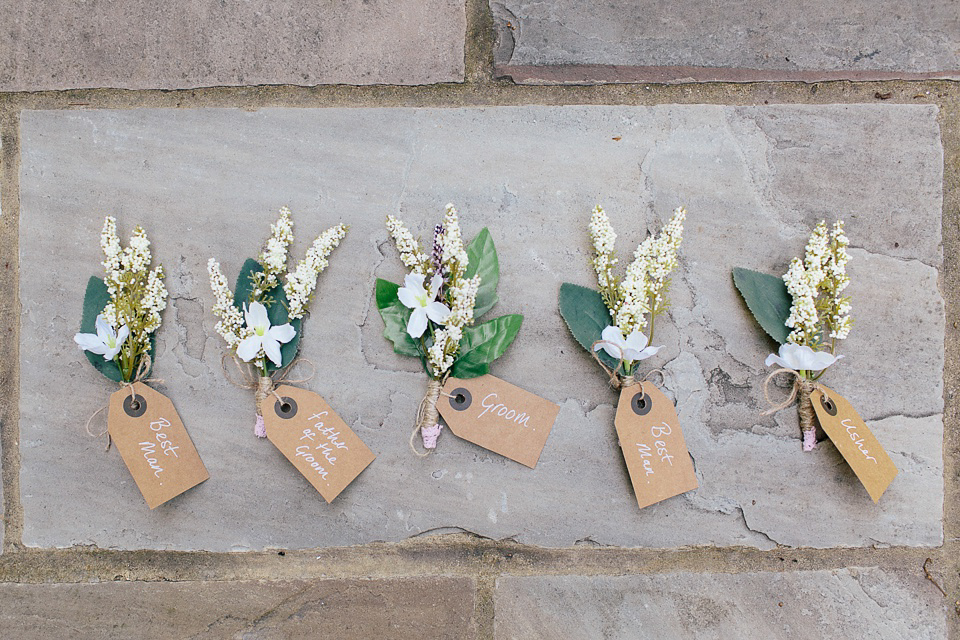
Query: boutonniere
x: 807, y: 313
x: 261, y: 322
x: 121, y: 314
x: 433, y: 316
x: 616, y: 325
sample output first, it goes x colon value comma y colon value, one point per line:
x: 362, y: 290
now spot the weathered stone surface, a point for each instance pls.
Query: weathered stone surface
x: 359, y: 609
x: 189, y: 43
x: 622, y: 41
x: 754, y: 179
x: 802, y: 605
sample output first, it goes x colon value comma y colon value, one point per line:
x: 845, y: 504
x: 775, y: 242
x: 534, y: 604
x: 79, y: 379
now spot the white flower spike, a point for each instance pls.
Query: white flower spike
x: 801, y: 358
x: 105, y: 341
x: 631, y: 349
x: 264, y: 336
x: 424, y: 303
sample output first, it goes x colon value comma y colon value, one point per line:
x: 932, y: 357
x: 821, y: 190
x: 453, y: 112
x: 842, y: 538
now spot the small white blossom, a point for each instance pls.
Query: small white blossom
x: 230, y: 327
x: 273, y: 258
x: 263, y: 339
x: 411, y: 254
x: 300, y: 283
x: 454, y: 255
x: 440, y: 354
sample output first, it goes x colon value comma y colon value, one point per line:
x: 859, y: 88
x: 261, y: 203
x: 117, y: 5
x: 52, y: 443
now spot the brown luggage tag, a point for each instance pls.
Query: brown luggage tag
x: 653, y: 446
x: 498, y: 416
x: 153, y: 443
x: 314, y: 438
x: 858, y: 446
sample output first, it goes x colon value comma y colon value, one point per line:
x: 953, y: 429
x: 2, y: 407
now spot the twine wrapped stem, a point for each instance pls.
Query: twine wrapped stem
x: 800, y: 391
x: 428, y: 419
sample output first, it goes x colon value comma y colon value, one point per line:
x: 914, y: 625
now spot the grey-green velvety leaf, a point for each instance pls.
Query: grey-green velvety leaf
x: 768, y: 300
x: 483, y: 261
x: 586, y: 315
x: 482, y: 344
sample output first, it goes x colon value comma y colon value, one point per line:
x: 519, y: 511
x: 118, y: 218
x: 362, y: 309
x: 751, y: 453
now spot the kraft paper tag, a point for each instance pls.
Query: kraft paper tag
x: 653, y: 445
x: 858, y: 446
x: 314, y: 438
x: 498, y: 416
x: 154, y: 444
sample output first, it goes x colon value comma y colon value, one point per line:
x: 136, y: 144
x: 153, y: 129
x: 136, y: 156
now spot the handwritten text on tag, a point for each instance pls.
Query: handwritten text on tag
x: 153, y: 443
x: 858, y: 446
x: 498, y: 416
x: 653, y: 445
x: 314, y: 438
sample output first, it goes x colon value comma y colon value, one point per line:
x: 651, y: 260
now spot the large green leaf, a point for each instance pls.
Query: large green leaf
x: 768, y: 300
x: 482, y: 261
x: 96, y: 298
x: 483, y: 343
x: 586, y: 316
x: 276, y: 302
x: 395, y: 317
x: 386, y: 293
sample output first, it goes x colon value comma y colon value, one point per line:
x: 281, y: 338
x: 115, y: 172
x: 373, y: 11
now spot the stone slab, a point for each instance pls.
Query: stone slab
x: 441, y: 607
x: 565, y: 41
x: 800, y: 605
x: 754, y: 179
x: 201, y: 43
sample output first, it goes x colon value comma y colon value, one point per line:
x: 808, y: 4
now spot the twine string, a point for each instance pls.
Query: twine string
x: 139, y: 376
x: 800, y: 391
x: 427, y: 414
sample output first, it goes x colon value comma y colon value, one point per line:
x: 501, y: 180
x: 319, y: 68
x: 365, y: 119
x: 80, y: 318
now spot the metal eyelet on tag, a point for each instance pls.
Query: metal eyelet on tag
x: 135, y: 406
x: 641, y: 403
x: 285, y: 407
x: 828, y: 404
x: 460, y: 399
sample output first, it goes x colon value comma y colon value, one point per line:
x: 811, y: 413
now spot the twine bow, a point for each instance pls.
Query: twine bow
x: 265, y: 385
x: 800, y: 391
x: 139, y: 376
x: 616, y: 380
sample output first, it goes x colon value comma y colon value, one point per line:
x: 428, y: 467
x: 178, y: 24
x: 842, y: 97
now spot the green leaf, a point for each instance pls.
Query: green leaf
x: 483, y: 343
x: 768, y: 300
x: 482, y: 261
x: 395, y: 317
x: 96, y: 298
x: 386, y: 292
x: 241, y: 292
x: 276, y: 302
x: 586, y: 316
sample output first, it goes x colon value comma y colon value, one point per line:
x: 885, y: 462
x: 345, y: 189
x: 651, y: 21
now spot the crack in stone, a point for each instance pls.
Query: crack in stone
x: 743, y: 516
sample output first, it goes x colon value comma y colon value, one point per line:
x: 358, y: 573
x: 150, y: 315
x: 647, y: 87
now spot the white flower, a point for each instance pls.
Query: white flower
x: 105, y: 341
x: 264, y: 336
x: 633, y: 348
x: 424, y: 303
x: 801, y: 358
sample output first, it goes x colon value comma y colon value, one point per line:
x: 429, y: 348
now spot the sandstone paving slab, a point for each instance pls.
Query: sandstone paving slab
x: 754, y: 179
x: 807, y: 605
x: 435, y: 607
x: 621, y: 41
x: 189, y: 43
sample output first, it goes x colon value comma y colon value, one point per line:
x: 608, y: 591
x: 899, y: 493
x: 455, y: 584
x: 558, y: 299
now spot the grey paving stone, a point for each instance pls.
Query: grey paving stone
x: 754, y: 179
x: 202, y: 43
x: 622, y: 41
x: 807, y: 605
x: 358, y: 609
